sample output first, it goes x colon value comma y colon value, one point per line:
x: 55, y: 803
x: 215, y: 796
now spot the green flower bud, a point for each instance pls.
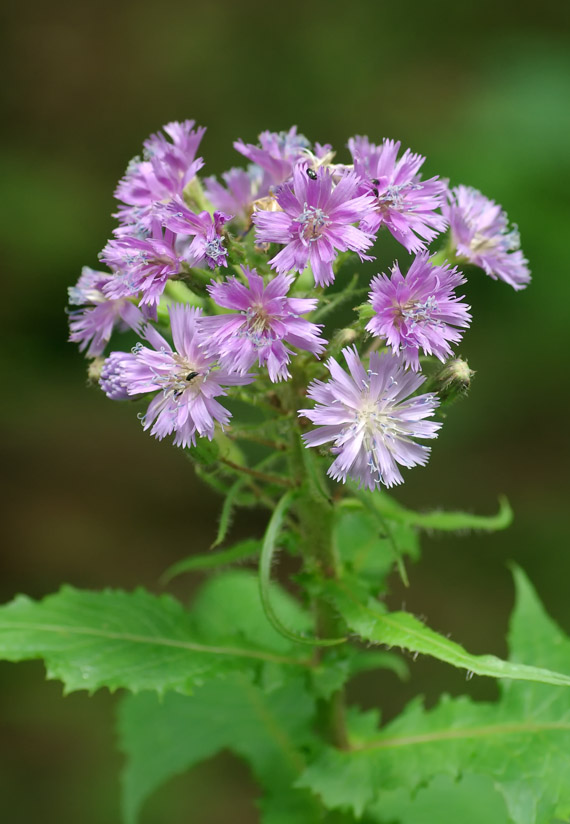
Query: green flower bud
x: 454, y: 380
x: 94, y: 368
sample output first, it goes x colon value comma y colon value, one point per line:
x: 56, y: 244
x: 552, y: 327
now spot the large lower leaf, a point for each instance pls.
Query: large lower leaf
x: 369, y: 620
x: 136, y: 640
x: 470, y: 800
x: 270, y: 731
x: 521, y: 743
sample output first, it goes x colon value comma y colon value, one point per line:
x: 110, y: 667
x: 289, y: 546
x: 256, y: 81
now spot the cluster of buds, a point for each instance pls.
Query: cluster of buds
x: 220, y: 278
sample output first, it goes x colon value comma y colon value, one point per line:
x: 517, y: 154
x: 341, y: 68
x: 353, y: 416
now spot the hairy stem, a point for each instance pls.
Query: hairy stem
x: 316, y: 518
x: 255, y: 473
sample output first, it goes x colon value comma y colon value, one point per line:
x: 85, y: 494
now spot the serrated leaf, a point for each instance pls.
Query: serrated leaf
x: 470, y: 800
x: 118, y: 639
x: 439, y: 521
x: 162, y: 739
x: 521, y: 742
x: 372, y: 623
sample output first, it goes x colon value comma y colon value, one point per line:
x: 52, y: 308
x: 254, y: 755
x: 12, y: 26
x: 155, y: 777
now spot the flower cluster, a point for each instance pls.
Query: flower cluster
x: 221, y: 277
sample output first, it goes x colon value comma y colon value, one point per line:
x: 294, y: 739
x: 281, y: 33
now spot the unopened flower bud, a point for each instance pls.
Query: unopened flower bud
x: 94, y: 369
x: 344, y: 337
x: 365, y: 311
x: 454, y: 380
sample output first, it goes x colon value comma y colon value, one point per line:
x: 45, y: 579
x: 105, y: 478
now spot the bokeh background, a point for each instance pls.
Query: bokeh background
x: 484, y: 92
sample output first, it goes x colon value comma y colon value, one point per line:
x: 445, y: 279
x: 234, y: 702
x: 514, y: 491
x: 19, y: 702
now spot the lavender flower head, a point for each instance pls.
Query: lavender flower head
x: 141, y: 265
x: 480, y: 232
x: 316, y: 222
x: 112, y: 378
x: 207, y: 245
x: 276, y: 154
x: 403, y: 202
x: 168, y: 166
x: 419, y: 310
x: 242, y: 188
x: 92, y: 326
x: 266, y: 320
x: 184, y: 378
x: 370, y: 419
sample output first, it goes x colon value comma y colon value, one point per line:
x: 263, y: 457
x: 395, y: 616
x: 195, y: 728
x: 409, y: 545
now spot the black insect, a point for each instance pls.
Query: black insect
x: 312, y: 174
x: 191, y: 375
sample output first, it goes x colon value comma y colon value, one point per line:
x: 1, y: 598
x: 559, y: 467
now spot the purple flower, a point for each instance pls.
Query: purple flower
x: 184, y: 378
x: 265, y: 322
x: 243, y: 187
x: 419, y: 310
x: 315, y: 223
x: 277, y: 154
x: 141, y: 265
x: 208, y: 242
x: 164, y: 172
x: 370, y: 418
x: 481, y: 234
x: 112, y: 380
x: 403, y: 202
x: 93, y: 325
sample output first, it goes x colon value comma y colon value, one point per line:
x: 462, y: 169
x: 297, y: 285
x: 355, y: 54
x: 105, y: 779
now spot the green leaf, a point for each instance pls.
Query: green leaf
x: 470, y: 800
x: 162, y: 739
x: 340, y: 664
x: 267, y: 552
x: 372, y: 623
x: 117, y: 639
x: 521, y: 743
x: 442, y: 521
x: 204, y: 452
x: 228, y: 607
x: 369, y: 548
x: 227, y: 511
x: 242, y: 551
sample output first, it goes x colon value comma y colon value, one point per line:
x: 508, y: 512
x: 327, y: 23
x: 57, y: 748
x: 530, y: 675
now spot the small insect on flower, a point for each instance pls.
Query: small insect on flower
x: 185, y: 380
x: 316, y: 223
x: 311, y: 173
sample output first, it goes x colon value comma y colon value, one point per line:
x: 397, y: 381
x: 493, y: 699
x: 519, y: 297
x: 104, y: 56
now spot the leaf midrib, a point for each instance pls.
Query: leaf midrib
x: 191, y: 646
x: 462, y: 656
x: 490, y: 730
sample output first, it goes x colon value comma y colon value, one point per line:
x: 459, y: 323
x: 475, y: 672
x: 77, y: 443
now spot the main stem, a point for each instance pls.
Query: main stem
x: 316, y: 516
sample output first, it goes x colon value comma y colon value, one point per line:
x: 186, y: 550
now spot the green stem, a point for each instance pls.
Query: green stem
x: 255, y: 473
x: 267, y: 553
x: 316, y: 519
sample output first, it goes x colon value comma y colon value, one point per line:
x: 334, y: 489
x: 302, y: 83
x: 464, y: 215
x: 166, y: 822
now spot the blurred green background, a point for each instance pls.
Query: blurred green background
x: 90, y: 499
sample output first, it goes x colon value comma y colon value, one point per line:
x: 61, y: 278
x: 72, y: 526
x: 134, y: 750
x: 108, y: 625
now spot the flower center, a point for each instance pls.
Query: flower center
x: 393, y: 197
x: 258, y: 326
x: 313, y: 221
x: 415, y: 311
x: 215, y: 249
x: 185, y: 377
x: 483, y: 243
